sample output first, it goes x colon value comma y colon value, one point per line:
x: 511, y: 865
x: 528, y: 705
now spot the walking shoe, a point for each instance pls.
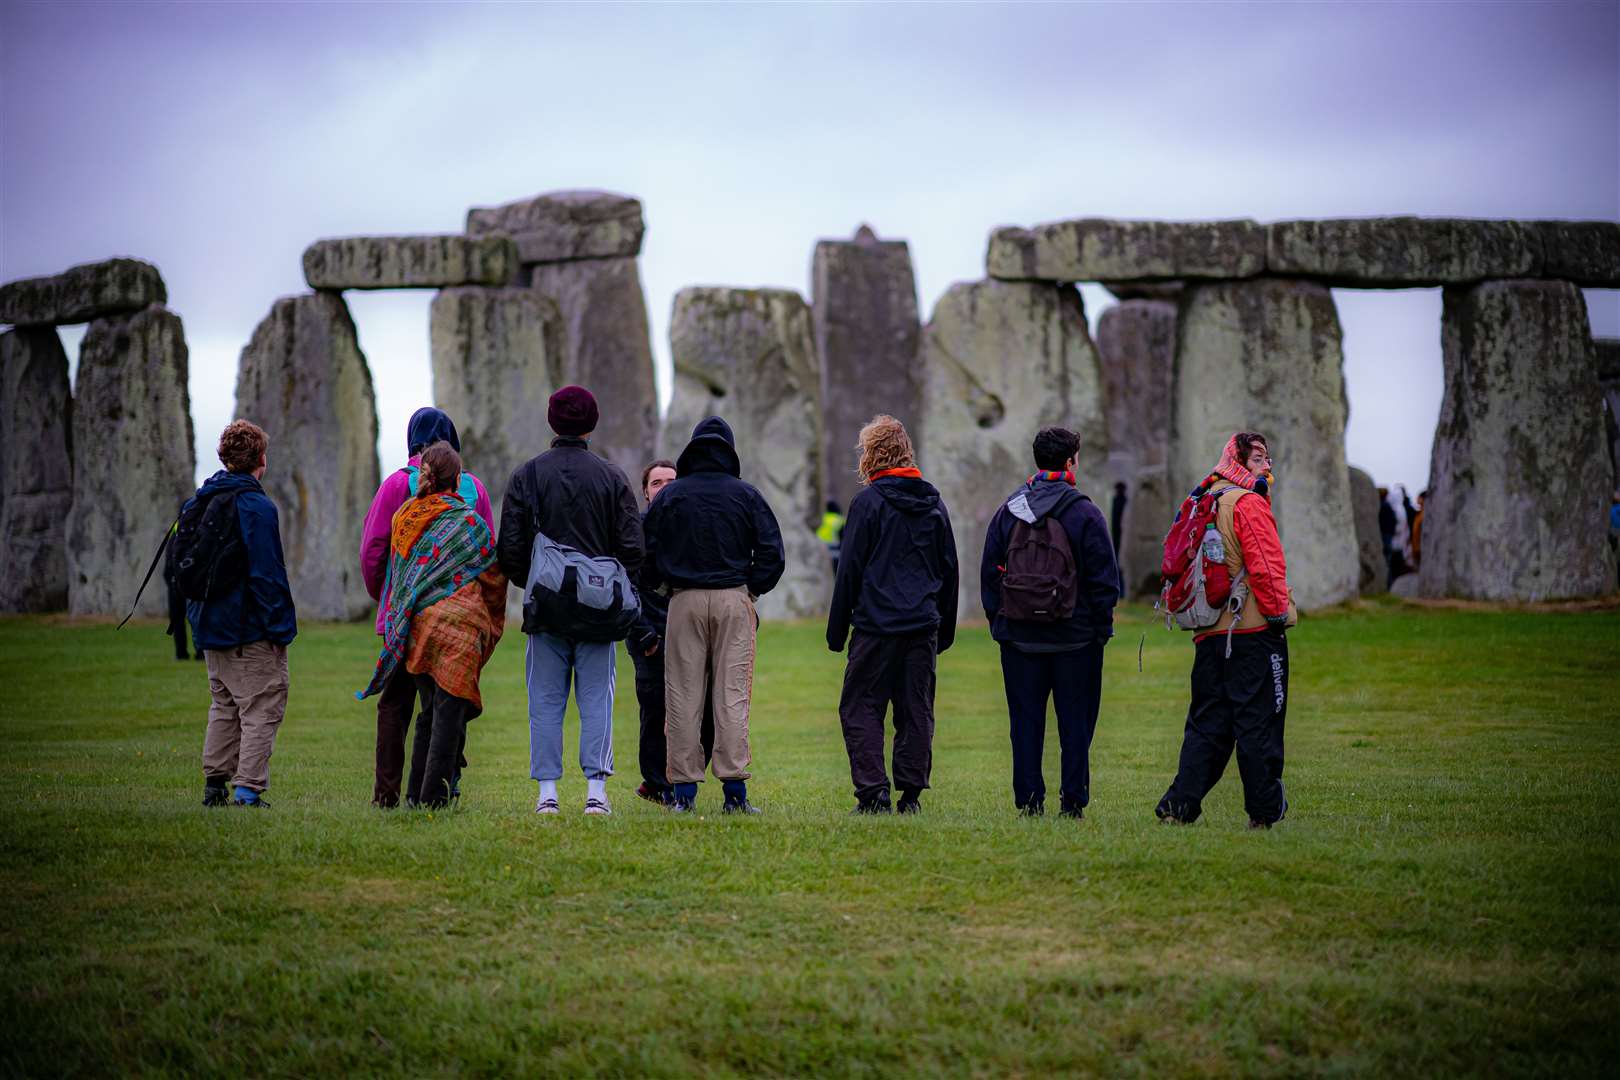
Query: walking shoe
x: 215, y: 795
x: 1072, y: 809
x: 680, y: 806
x: 546, y: 806
x: 651, y: 794
x: 877, y: 804
x: 1253, y: 824
x: 249, y: 797
x: 597, y: 806
x: 908, y: 805
x: 742, y: 806
x: 1034, y: 809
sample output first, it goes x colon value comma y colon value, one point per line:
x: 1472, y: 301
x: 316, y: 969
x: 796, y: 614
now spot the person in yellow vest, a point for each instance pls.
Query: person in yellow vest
x: 1240, y: 681
x: 831, y: 530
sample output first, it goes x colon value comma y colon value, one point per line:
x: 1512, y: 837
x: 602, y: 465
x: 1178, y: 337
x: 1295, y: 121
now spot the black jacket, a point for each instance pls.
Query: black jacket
x: 654, y: 607
x: 709, y: 529
x: 1094, y: 564
x: 260, y: 606
x: 575, y: 498
x: 897, y: 565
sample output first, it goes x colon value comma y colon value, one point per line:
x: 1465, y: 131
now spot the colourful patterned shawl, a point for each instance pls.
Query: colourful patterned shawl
x: 438, y: 547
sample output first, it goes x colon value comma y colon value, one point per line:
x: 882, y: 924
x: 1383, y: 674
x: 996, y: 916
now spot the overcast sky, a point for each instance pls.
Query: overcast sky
x: 217, y: 141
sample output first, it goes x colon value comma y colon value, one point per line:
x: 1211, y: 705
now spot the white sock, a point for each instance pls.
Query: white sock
x: 548, y: 790
x: 596, y: 789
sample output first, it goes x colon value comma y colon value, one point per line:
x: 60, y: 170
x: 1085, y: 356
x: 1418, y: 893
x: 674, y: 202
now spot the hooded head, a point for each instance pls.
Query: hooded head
x: 1234, y: 468
x: 572, y: 412
x: 428, y: 426
x: 712, y: 449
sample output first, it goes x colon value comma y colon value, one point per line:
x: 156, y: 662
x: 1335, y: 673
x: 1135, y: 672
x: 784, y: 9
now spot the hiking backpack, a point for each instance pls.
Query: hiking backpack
x: 206, y: 554
x: 1198, y: 587
x: 579, y: 596
x: 1039, y: 582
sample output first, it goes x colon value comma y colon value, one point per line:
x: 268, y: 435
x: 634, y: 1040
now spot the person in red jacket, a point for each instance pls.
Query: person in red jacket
x: 1240, y: 695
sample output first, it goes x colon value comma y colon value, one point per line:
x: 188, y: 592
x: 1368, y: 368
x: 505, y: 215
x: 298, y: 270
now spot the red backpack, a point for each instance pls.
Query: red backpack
x: 1197, y: 585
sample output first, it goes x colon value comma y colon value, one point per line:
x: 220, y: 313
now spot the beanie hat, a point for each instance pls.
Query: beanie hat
x: 572, y: 412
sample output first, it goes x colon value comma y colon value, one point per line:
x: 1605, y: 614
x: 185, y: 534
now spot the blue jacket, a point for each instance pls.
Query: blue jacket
x: 1094, y: 566
x: 260, y: 607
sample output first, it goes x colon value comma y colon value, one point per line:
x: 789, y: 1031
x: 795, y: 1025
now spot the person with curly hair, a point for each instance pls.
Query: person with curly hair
x: 896, y: 589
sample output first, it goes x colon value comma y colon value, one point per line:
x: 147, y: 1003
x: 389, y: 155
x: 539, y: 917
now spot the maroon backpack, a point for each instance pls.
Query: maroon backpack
x: 1039, y: 582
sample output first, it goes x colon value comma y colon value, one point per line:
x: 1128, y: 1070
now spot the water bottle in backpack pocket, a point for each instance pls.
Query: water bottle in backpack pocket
x: 1197, y: 584
x: 578, y: 596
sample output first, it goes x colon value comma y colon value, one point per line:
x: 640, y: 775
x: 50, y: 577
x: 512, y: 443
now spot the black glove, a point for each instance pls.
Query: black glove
x: 646, y: 642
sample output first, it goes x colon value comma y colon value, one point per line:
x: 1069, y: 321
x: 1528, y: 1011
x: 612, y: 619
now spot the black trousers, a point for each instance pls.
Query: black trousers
x: 654, y: 748
x: 1073, y: 682
x: 888, y: 670
x: 394, y: 707
x: 1241, y: 701
x: 441, y: 732
x: 177, y: 621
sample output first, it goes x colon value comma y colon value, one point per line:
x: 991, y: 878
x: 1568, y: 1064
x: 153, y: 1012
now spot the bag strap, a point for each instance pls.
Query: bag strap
x: 167, y: 536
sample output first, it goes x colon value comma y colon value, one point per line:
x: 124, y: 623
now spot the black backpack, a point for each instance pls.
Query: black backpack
x: 1039, y: 582
x: 206, y: 555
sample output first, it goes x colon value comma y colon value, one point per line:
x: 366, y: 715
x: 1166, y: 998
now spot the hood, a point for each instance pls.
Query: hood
x: 712, y: 449
x: 229, y: 481
x: 909, y: 495
x: 1230, y: 468
x: 428, y: 426
x: 1039, y: 498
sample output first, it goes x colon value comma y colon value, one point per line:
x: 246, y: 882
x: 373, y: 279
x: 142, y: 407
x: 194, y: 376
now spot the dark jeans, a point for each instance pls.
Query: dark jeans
x: 650, y: 697
x: 882, y: 670
x: 177, y: 621
x: 441, y: 732
x: 394, y: 707
x: 1073, y: 682
x: 1241, y: 701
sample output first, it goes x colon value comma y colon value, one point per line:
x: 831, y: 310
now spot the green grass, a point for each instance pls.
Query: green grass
x: 1444, y: 897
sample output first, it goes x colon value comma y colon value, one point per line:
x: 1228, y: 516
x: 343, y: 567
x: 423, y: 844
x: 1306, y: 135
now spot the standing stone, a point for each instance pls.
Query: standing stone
x: 304, y: 380
x: 1266, y: 356
x: 111, y: 287
x: 1369, y: 541
x: 1401, y: 252
x: 36, y: 469
x: 865, y: 309
x: 1519, y: 481
x: 409, y: 262
x: 1103, y: 249
x: 1000, y: 361
x: 608, y: 351
x: 133, y: 463
x: 748, y: 355
x: 497, y: 357
x: 1608, y: 373
x: 1136, y: 341
x: 563, y: 225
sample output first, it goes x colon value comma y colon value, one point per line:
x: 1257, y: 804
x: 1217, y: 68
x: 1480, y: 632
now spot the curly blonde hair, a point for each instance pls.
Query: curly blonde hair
x: 883, y: 444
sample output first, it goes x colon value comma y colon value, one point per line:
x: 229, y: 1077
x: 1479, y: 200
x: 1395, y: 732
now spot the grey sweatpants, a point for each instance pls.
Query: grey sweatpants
x: 549, y: 665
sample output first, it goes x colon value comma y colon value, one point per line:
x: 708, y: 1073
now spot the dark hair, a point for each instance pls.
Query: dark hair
x: 646, y: 474
x: 441, y: 469
x: 1119, y: 486
x: 1054, y: 446
x: 1245, y: 445
x: 242, y: 446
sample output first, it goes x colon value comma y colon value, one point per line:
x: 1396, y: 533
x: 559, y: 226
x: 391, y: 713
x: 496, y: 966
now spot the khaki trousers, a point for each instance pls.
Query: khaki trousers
x: 249, y: 688
x: 709, y: 655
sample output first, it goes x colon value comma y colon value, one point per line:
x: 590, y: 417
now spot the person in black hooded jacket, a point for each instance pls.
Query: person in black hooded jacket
x: 713, y: 542
x: 1060, y: 659
x: 897, y: 582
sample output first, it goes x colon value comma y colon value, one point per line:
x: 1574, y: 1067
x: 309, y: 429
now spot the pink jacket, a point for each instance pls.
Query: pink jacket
x: 395, y: 493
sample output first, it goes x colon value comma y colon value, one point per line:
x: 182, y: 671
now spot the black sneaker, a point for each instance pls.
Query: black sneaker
x: 1033, y: 809
x: 214, y: 795
x: 680, y: 806
x: 741, y: 806
x: 907, y: 805
x: 1071, y: 809
x: 877, y: 804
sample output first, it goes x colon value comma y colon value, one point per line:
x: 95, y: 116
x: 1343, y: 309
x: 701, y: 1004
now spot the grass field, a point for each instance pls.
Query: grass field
x: 1443, y: 898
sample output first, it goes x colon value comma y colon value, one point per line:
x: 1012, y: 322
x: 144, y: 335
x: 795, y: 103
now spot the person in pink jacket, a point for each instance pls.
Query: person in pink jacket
x: 398, y: 697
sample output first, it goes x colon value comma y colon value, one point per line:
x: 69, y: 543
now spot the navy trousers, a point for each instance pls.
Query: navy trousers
x: 1072, y: 681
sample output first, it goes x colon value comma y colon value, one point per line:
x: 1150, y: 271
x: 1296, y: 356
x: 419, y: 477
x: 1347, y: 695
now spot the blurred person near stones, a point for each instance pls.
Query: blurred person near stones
x: 443, y: 615
x: 1116, y: 514
x: 1049, y: 583
x: 244, y: 629
x: 645, y: 646
x: 574, y: 498
x: 830, y: 530
x: 714, y: 544
x: 895, y: 600
x: 398, y: 697
x: 1240, y: 680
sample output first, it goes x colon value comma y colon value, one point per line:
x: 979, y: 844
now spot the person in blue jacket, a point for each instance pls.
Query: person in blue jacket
x: 245, y: 631
x: 1050, y: 655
